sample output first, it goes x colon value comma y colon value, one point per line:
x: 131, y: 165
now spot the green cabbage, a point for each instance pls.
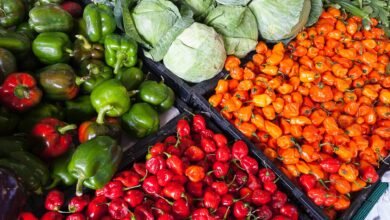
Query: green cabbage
x: 238, y: 27
x: 200, y: 8
x: 233, y: 2
x: 197, y: 54
x: 280, y: 19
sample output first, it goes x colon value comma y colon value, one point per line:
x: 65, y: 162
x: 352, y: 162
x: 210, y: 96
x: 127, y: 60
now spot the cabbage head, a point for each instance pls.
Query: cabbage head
x: 154, y: 18
x: 238, y: 27
x: 197, y: 54
x: 200, y: 8
x: 280, y: 19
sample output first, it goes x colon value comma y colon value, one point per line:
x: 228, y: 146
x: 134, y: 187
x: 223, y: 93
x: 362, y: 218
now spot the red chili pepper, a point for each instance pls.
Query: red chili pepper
x: 227, y: 200
x: 201, y: 213
x: 150, y: 185
x: 113, y: 190
x: 198, y: 123
x: 163, y: 205
x: 307, y: 181
x: 208, y: 145
x: 317, y: 195
x: 181, y: 208
x: 264, y: 212
x: 239, y: 149
x: 173, y: 190
x: 173, y: 150
x: 249, y: 164
x: 266, y: 174
x: 330, y: 198
x: 97, y: 208
x: 134, y: 197
x: 260, y: 197
x: 157, y: 149
x: 183, y: 128
x: 223, y: 154
x: 118, y: 208
x: 220, y: 140
x: 270, y: 186
x: 194, y: 153
x: 195, y: 173
x: 211, y: 200
x: 207, y: 133
x: 369, y: 174
x: 175, y: 164
x: 195, y: 189
x: 140, y: 168
x: 127, y: 178
x: 52, y: 215
x: 220, y: 187
x: 253, y: 182
x: 154, y: 164
x: 143, y: 212
x: 241, y: 177
x: 27, y: 216
x: 53, y: 136
x: 164, y: 176
x: 240, y: 209
x: 78, y: 203
x: 220, y: 169
x: 278, y: 200
x: 166, y: 216
x: 289, y: 211
x: 54, y: 200
x: 75, y: 216
x: 330, y: 165
x: 19, y: 92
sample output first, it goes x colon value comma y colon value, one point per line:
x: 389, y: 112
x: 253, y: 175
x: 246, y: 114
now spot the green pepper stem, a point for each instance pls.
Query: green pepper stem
x: 79, y: 186
x: 55, y: 182
x: 66, y: 128
x: 119, y: 59
x: 86, y: 44
x: 21, y: 92
x: 132, y: 93
x: 102, y: 112
x: 81, y: 80
x: 69, y: 51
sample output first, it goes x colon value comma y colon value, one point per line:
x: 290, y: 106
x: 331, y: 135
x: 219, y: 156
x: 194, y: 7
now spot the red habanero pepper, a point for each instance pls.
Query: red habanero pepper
x: 19, y: 92
x: 369, y: 174
x: 330, y: 165
x: 53, y: 137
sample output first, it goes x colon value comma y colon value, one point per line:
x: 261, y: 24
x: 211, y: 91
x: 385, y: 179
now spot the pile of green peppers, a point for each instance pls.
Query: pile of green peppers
x: 89, y: 76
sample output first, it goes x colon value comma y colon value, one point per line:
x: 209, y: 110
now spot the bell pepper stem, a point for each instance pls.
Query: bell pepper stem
x: 119, y: 59
x: 81, y: 80
x: 69, y: 51
x: 66, y: 128
x: 79, y: 186
x: 86, y: 44
x: 55, y: 182
x: 101, y: 114
x: 21, y: 92
x: 132, y: 93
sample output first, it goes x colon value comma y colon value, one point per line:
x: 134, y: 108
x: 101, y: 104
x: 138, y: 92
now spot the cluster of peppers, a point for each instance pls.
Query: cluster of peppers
x: 67, y: 79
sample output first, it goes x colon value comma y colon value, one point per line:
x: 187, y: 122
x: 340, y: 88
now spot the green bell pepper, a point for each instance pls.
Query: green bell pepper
x: 43, y: 110
x: 131, y: 77
x: 12, y: 144
x: 79, y: 109
x: 17, y: 43
x: 59, y: 171
x: 120, y: 51
x: 91, y: 129
x: 99, y: 22
x: 110, y: 98
x: 93, y: 73
x: 12, y: 12
x: 52, y: 47
x: 157, y: 94
x: 25, y: 28
x: 95, y: 162
x: 141, y: 120
x: 7, y: 63
x: 42, y: 2
x: 40, y: 170
x: 8, y: 121
x: 49, y: 18
x: 84, y: 50
x: 58, y: 81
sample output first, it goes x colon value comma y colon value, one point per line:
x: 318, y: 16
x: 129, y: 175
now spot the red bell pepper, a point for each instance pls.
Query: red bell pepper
x: 53, y: 137
x: 330, y: 165
x: 369, y: 174
x: 19, y: 92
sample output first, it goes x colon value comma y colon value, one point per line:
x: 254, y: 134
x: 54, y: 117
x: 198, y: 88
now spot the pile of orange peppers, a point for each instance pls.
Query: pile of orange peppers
x: 318, y: 107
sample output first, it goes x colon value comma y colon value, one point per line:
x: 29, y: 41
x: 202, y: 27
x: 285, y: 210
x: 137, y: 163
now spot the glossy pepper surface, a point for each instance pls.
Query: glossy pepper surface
x: 43, y: 110
x: 7, y: 63
x: 52, y: 47
x: 110, y: 98
x: 84, y: 50
x: 99, y: 22
x: 12, y: 12
x: 58, y: 81
x: 93, y: 73
x: 8, y: 121
x: 79, y: 109
x: 95, y: 162
x: 17, y: 43
x: 59, y: 171
x: 19, y: 92
x: 52, y: 137
x: 26, y: 29
x: 157, y: 94
x: 141, y: 120
x: 50, y: 18
x: 120, y: 51
x: 90, y: 129
x: 131, y: 77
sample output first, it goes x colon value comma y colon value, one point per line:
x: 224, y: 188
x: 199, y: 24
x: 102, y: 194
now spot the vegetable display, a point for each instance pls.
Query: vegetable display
x: 317, y: 107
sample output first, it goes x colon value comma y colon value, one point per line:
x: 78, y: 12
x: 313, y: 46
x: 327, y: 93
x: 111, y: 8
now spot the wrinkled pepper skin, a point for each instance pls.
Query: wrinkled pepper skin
x: 99, y: 22
x: 93, y: 73
x: 131, y: 77
x: 26, y: 29
x: 8, y: 121
x: 19, y: 92
x: 52, y: 47
x: 58, y: 82
x: 141, y: 120
x: 84, y: 50
x: 52, y: 137
x: 13, y: 196
x: 50, y: 18
x: 12, y: 12
x: 110, y: 98
x: 120, y: 51
x: 17, y: 43
x: 7, y: 63
x: 157, y: 94
x: 79, y: 109
x: 59, y: 171
x: 43, y: 110
x: 95, y: 162
x: 90, y: 129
